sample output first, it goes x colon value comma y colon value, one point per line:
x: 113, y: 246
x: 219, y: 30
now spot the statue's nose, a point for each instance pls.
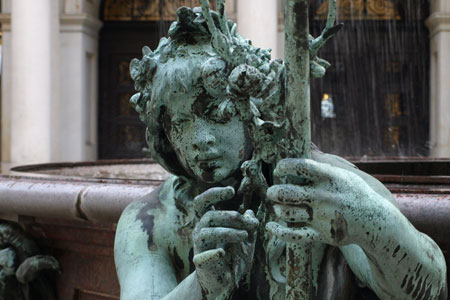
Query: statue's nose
x: 203, y: 134
x: 203, y: 141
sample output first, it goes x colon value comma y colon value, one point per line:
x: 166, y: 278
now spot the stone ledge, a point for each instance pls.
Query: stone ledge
x: 438, y: 22
x: 66, y: 199
x: 82, y: 23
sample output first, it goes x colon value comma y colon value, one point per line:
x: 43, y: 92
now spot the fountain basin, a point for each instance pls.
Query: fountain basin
x: 121, y: 171
x: 71, y: 210
x: 87, y: 191
x: 98, y: 191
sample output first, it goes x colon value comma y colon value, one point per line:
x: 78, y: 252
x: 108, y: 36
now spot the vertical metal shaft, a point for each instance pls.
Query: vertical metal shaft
x: 297, y: 59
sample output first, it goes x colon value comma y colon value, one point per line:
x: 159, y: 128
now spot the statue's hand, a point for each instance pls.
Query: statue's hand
x: 328, y: 204
x: 224, y: 243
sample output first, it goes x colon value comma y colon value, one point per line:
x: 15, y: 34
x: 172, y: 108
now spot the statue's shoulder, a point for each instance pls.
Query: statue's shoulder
x: 156, y: 199
x: 142, y: 221
x: 158, y: 225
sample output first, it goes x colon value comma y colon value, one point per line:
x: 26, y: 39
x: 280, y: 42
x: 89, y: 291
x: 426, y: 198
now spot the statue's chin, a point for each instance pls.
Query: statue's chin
x: 213, y: 176
x: 222, y: 177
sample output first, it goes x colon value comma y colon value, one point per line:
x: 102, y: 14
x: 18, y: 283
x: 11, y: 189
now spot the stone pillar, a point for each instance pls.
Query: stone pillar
x: 78, y: 65
x: 257, y: 20
x: 31, y: 81
x: 439, y: 25
x: 5, y: 20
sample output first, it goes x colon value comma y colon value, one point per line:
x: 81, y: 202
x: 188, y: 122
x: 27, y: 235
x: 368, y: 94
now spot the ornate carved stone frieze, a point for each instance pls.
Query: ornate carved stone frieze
x: 361, y: 10
x: 139, y: 10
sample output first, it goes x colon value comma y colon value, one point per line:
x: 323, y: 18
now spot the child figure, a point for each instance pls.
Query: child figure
x: 217, y: 229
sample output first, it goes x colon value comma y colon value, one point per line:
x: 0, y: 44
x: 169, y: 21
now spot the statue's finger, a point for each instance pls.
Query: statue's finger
x: 291, y: 235
x: 308, y: 169
x: 212, y: 196
x: 208, y: 259
x: 217, y: 237
x: 250, y: 214
x: 230, y: 219
x: 290, y: 194
x: 294, y: 214
x: 220, y: 236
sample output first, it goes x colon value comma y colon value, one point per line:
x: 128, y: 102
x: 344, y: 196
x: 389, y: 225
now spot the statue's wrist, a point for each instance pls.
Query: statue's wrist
x: 222, y: 293
x: 381, y: 228
x: 213, y: 289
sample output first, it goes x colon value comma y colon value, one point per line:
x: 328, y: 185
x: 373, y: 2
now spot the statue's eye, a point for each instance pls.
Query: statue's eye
x: 218, y: 117
x: 180, y: 122
x: 223, y: 112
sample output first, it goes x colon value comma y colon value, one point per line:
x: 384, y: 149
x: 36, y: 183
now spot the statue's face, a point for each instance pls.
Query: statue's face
x: 211, y: 148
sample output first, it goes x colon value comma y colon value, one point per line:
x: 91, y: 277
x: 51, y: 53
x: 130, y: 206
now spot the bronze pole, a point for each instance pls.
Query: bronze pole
x: 297, y: 60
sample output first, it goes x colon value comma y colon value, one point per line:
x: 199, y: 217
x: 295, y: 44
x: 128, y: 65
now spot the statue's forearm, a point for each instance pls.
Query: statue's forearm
x: 404, y: 263
x: 188, y: 289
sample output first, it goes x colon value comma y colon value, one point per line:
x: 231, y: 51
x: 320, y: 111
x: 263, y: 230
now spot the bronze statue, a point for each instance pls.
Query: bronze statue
x: 217, y: 119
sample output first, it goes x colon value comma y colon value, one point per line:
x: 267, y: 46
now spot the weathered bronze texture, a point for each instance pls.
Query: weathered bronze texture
x: 85, y: 250
x: 22, y: 268
x: 222, y: 118
x: 301, y: 61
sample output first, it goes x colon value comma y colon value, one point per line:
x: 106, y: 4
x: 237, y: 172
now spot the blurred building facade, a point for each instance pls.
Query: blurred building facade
x: 65, y: 83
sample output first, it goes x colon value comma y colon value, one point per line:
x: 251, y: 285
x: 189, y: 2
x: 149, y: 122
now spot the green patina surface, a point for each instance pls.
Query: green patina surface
x: 247, y: 194
x: 21, y: 266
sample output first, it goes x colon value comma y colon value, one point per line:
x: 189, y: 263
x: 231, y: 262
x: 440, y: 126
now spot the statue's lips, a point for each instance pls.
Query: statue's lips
x: 207, y: 157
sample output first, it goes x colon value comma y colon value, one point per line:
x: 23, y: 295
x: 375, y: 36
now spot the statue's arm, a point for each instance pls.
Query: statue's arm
x: 146, y: 273
x: 352, y: 210
x: 401, y: 264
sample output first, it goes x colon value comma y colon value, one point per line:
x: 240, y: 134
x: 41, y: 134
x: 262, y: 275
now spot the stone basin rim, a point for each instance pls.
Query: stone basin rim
x: 88, y: 163
x: 427, y: 203
x: 389, y: 169
x: 98, y: 171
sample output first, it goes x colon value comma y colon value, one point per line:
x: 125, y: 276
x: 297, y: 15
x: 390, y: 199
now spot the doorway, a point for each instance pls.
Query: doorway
x: 121, y: 133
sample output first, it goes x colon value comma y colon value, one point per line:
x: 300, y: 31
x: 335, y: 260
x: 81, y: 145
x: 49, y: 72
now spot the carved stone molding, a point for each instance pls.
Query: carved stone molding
x: 438, y: 22
x: 5, y: 6
x: 80, y: 23
x: 361, y: 10
x: 138, y: 10
x: 81, y: 6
